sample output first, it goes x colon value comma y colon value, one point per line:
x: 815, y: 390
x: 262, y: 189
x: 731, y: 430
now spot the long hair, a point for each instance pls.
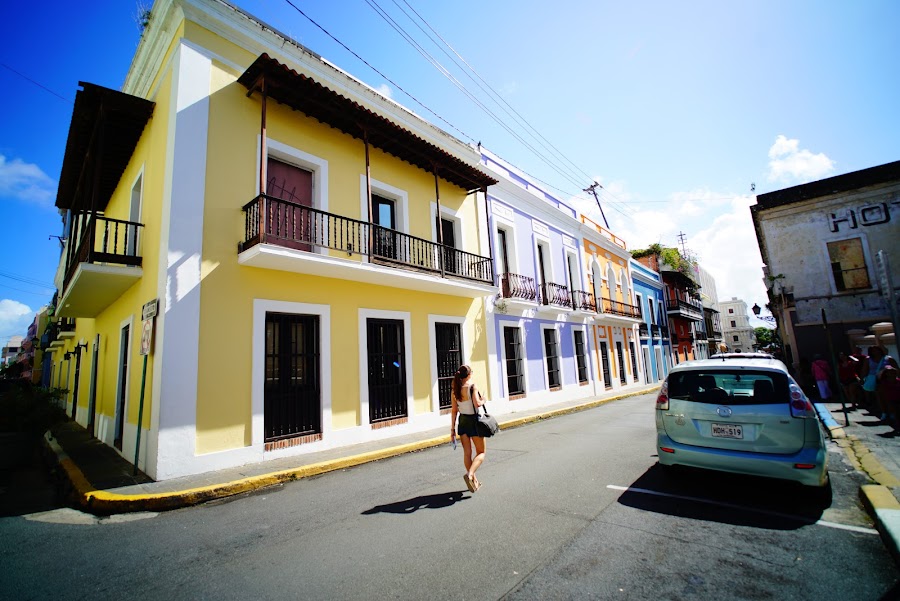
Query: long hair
x: 461, y: 374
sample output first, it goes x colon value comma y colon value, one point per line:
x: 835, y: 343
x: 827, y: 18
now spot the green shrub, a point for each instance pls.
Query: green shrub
x: 31, y: 410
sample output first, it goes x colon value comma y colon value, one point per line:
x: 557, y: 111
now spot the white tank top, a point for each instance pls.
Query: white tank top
x: 466, y: 406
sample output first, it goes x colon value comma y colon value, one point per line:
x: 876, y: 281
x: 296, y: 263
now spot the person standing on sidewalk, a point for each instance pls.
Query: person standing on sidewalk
x: 849, y: 379
x: 889, y: 390
x: 821, y: 371
x: 466, y: 400
x: 870, y: 382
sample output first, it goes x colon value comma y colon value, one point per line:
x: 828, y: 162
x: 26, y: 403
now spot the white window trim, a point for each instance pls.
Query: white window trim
x: 432, y: 351
x: 399, y: 196
x: 573, y: 284
x: 452, y: 216
x: 510, y: 228
x: 639, y: 303
x: 587, y: 352
x: 122, y: 381
x: 406, y: 318
x: 520, y: 325
x: 140, y: 210
x: 258, y: 363
x: 559, y: 358
x: 294, y: 156
x: 540, y: 240
x: 597, y: 291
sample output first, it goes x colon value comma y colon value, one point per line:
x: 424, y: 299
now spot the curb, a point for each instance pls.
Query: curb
x: 835, y: 430
x: 102, y: 502
x: 885, y: 510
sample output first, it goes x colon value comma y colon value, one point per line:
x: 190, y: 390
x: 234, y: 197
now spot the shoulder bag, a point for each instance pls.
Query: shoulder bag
x: 487, y: 424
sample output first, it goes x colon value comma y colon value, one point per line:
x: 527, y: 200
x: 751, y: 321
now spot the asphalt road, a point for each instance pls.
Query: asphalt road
x: 573, y: 507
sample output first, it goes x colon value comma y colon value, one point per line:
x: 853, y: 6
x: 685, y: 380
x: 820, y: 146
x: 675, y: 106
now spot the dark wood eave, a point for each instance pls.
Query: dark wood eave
x: 105, y: 129
x: 304, y: 94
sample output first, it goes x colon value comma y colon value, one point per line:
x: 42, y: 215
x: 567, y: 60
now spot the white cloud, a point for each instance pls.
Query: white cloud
x: 14, y: 318
x: 26, y: 182
x: 717, y: 226
x: 788, y: 163
x: 385, y: 90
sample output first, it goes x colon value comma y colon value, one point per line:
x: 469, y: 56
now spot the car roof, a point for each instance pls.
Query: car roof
x: 754, y: 355
x: 754, y: 363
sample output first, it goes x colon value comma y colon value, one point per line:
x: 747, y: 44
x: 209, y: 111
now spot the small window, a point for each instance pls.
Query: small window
x: 848, y: 264
x: 551, y: 350
x: 731, y: 310
x: 581, y: 357
x: 733, y: 323
x: 735, y: 338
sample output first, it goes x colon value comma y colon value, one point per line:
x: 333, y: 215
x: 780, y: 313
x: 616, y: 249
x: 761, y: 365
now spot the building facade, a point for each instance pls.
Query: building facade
x: 649, y: 295
x: 287, y: 260
x: 737, y: 332
x: 820, y: 243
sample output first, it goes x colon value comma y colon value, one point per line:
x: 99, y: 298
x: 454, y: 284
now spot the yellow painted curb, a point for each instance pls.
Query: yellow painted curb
x: 877, y: 497
x: 870, y: 464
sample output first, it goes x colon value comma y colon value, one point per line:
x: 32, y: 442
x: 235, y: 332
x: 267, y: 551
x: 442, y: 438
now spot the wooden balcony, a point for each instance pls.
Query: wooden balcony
x: 102, y: 262
x: 272, y: 222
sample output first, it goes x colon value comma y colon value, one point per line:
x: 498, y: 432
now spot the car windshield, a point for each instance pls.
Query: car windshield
x: 729, y: 387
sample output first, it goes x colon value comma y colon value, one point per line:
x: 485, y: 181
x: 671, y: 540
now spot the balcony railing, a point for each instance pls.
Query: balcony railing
x: 102, y: 240
x: 274, y: 221
x: 664, y: 330
x: 684, y: 309
x: 656, y: 331
x: 618, y: 308
x: 514, y: 285
x: 583, y: 301
x: 556, y: 295
x: 643, y: 330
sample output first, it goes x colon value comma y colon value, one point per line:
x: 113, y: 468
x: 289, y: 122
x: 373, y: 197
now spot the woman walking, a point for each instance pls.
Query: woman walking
x: 465, y: 401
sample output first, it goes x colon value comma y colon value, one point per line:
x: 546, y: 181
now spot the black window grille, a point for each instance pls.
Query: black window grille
x: 621, y: 357
x: 387, y: 374
x: 449, y: 358
x: 291, y: 390
x: 634, y: 369
x: 604, y: 362
x: 580, y: 357
x: 551, y: 350
x: 515, y: 373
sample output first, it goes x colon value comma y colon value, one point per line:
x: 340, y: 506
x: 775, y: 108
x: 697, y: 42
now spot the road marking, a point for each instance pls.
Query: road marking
x: 777, y: 514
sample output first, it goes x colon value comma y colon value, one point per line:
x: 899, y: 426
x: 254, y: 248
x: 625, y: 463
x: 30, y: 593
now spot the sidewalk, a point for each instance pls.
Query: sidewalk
x: 101, y: 481
x: 874, y: 448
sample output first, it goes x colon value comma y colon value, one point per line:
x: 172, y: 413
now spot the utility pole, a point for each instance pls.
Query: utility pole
x: 681, y: 238
x: 593, y: 190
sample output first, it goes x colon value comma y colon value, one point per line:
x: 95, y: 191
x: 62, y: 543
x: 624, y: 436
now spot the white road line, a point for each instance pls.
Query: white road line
x: 786, y: 516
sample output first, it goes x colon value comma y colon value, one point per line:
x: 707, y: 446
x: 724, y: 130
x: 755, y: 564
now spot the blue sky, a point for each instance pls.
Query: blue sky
x: 675, y: 108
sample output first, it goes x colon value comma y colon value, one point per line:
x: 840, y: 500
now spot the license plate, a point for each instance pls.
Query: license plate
x: 727, y: 431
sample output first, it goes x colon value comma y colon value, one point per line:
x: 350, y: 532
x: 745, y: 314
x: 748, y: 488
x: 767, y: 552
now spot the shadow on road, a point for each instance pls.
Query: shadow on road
x: 726, y: 498
x: 437, y: 501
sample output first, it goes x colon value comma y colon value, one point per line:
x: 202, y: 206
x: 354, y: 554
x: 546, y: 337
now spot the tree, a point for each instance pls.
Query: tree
x: 764, y: 336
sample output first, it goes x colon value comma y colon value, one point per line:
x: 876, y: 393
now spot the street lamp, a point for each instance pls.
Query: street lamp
x: 757, y: 310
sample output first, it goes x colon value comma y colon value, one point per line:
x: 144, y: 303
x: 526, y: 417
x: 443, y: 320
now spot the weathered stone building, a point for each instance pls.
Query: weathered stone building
x: 819, y: 243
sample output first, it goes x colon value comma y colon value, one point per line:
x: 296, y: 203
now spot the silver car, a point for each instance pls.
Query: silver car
x: 746, y: 416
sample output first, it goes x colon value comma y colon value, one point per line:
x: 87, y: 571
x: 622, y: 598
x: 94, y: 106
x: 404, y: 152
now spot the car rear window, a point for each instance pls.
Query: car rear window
x: 729, y: 387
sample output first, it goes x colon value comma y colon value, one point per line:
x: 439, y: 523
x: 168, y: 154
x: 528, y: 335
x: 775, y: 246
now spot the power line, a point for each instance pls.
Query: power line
x: 25, y: 280
x: 46, y: 89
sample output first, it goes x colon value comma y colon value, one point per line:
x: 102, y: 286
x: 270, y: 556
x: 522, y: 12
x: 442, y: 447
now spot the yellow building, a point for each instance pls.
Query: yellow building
x: 317, y: 253
x: 615, y: 327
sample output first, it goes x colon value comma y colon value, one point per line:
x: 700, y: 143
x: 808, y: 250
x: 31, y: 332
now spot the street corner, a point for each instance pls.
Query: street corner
x: 884, y: 508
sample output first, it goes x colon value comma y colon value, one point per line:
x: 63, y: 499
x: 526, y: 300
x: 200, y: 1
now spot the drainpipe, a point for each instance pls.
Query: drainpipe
x: 263, y: 165
x: 490, y: 233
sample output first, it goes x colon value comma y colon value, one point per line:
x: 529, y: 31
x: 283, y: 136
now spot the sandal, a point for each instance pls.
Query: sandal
x: 470, y: 483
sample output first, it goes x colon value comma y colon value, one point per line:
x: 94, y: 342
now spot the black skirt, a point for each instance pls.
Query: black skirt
x: 467, y: 425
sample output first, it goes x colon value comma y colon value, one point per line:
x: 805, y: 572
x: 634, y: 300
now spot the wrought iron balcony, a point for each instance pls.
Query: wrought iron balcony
x: 101, y: 257
x: 269, y: 220
x: 555, y: 294
x: 684, y: 309
x: 643, y: 330
x: 513, y: 285
x: 583, y: 301
x: 607, y: 305
x: 664, y: 330
x: 656, y: 331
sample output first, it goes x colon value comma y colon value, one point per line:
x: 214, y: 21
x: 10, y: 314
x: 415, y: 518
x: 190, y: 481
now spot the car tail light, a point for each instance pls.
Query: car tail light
x: 800, y: 405
x: 662, y: 401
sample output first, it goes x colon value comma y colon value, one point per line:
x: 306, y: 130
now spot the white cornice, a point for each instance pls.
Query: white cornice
x: 245, y: 31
